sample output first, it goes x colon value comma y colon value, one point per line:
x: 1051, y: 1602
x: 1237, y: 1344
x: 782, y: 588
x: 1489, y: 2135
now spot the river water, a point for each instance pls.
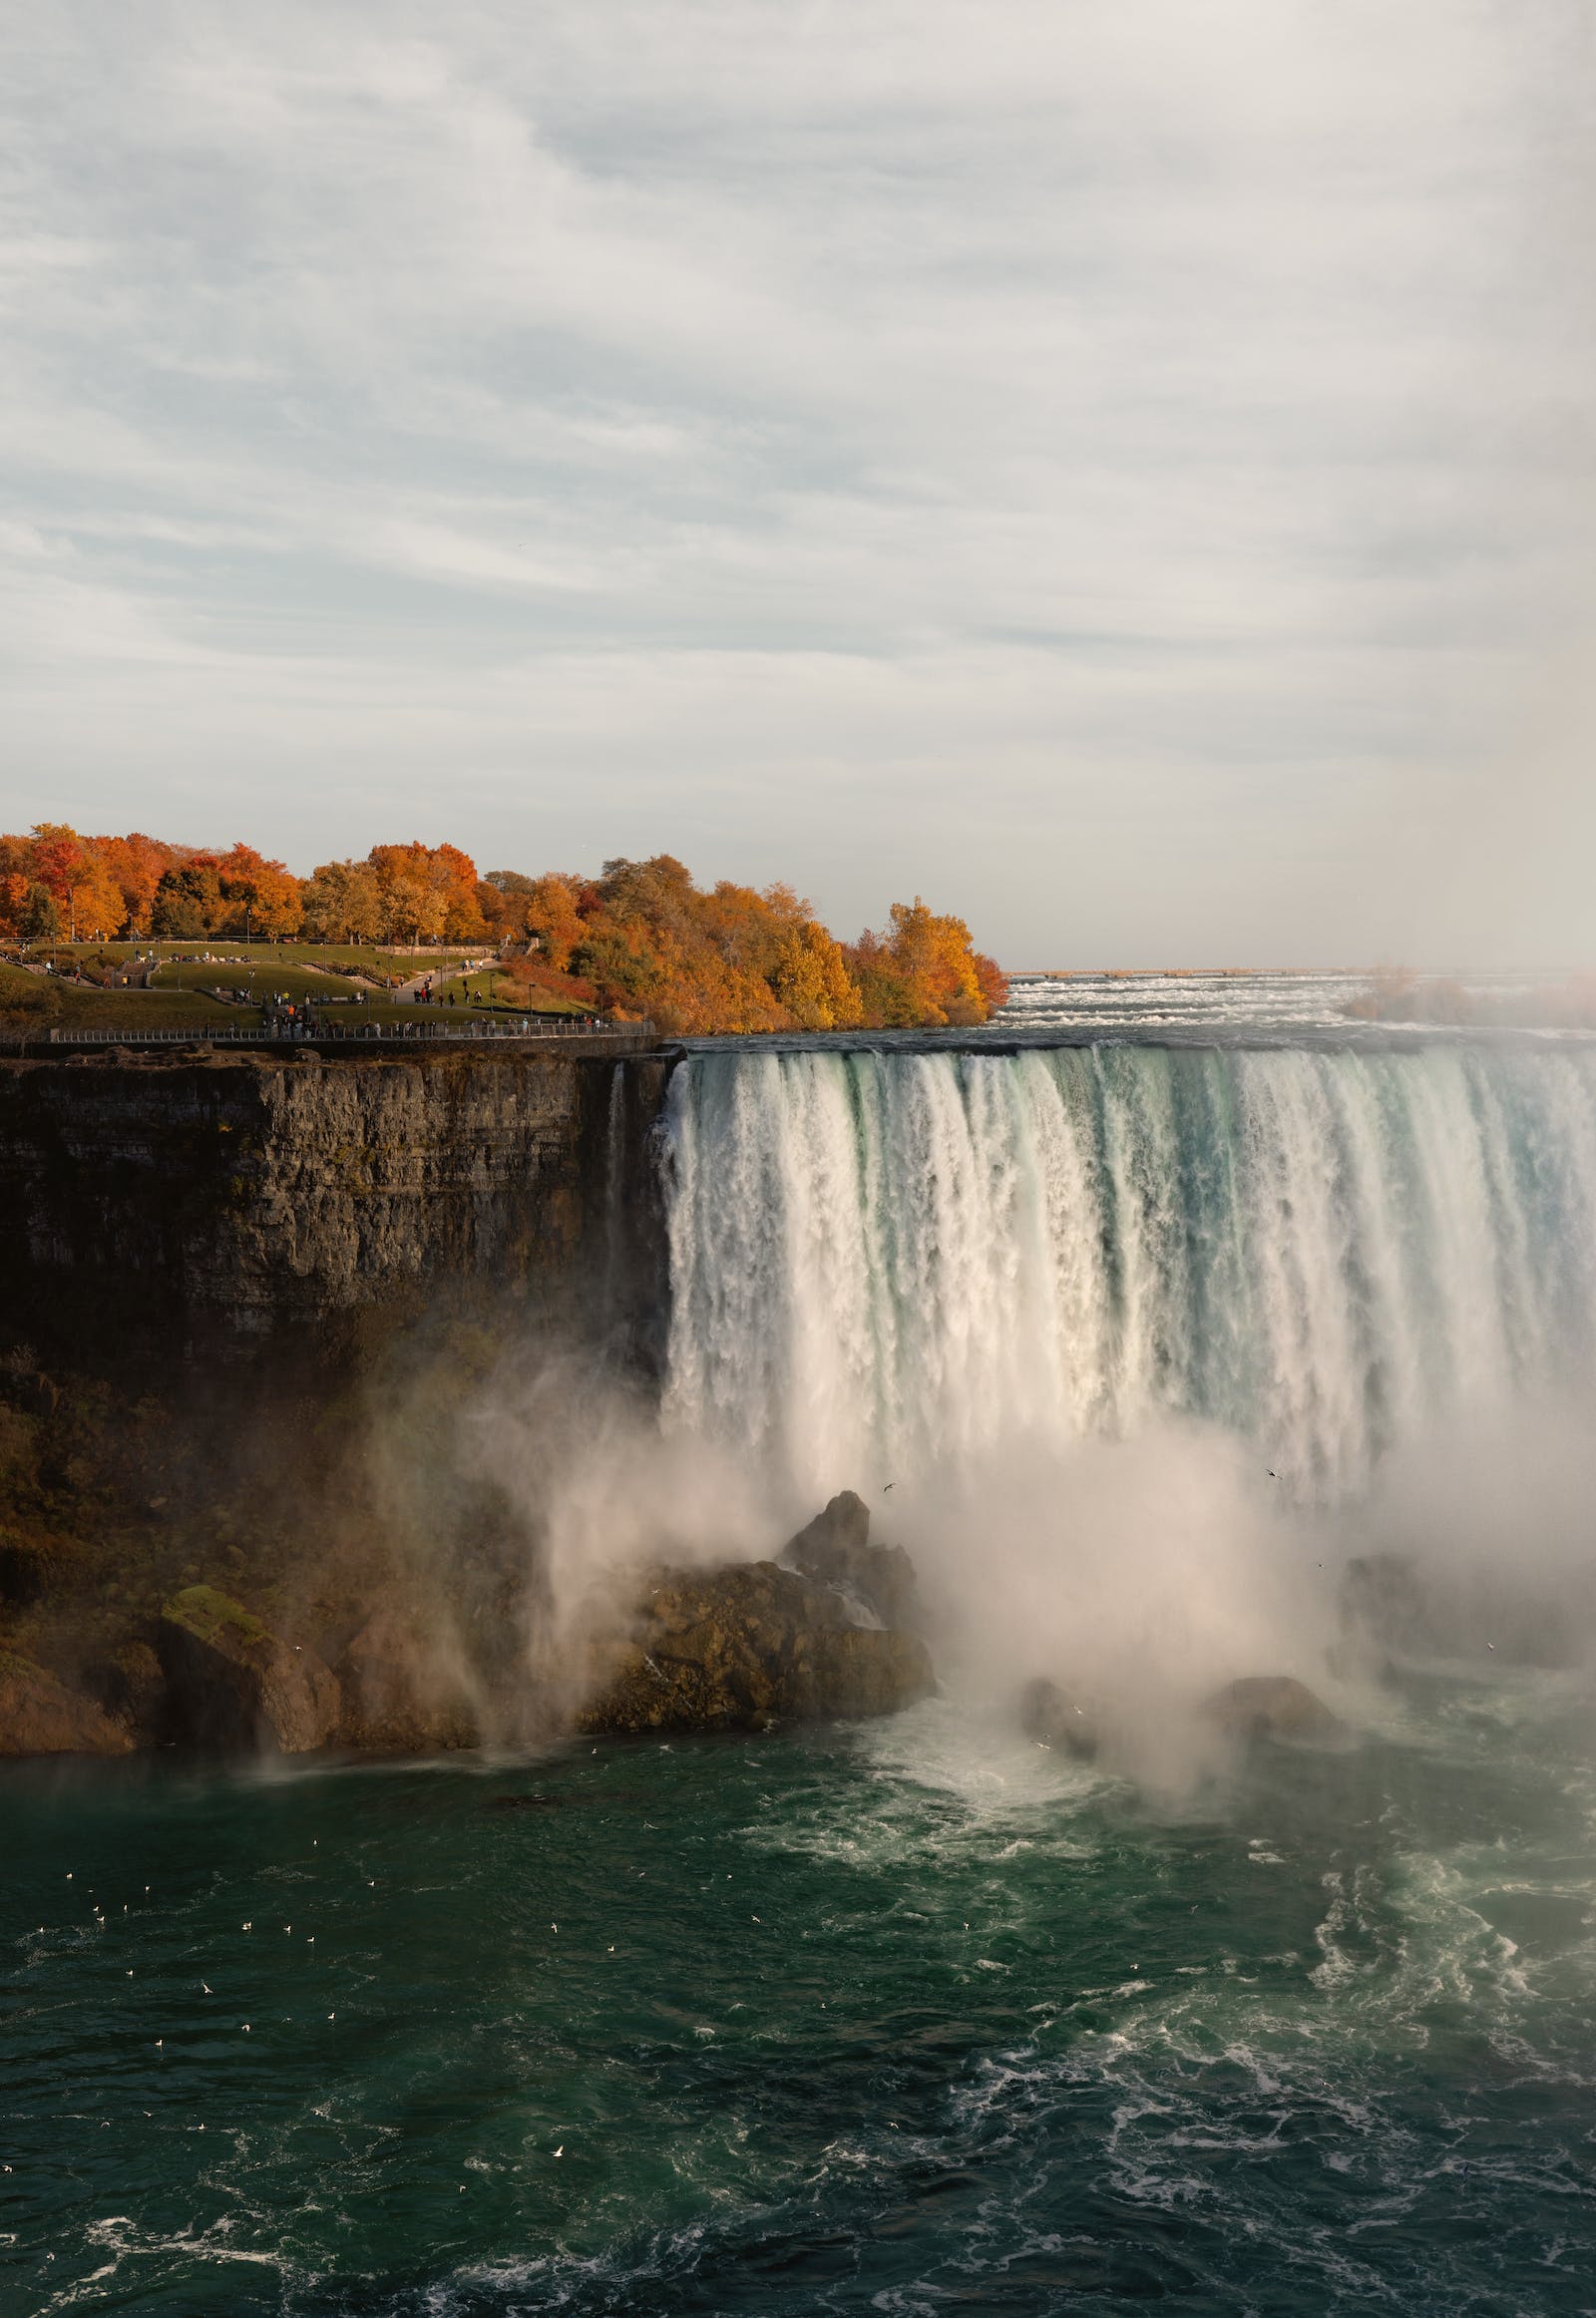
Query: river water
x: 1135, y: 1343
x: 905, y: 2019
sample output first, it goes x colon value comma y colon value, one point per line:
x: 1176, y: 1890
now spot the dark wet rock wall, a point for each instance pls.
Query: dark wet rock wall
x: 206, y: 1208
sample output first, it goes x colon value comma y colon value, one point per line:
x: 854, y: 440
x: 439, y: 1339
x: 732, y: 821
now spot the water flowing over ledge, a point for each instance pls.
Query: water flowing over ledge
x: 879, y: 1257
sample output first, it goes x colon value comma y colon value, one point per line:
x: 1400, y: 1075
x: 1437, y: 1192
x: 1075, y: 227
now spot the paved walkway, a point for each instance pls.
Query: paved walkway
x: 436, y: 973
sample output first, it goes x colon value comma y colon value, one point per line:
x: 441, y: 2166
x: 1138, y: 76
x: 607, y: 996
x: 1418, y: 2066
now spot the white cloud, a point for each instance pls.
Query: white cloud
x: 1097, y: 466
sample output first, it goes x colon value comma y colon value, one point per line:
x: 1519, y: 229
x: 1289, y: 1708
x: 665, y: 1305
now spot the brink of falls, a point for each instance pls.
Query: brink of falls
x: 879, y: 1257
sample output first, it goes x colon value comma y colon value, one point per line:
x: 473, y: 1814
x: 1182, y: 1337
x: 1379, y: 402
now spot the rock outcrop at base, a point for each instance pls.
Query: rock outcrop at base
x: 40, y: 1715
x: 1053, y: 1719
x: 235, y: 1687
x: 132, y: 1688
x: 1271, y: 1705
x: 1395, y: 1610
x: 738, y: 1649
x: 835, y: 1550
x: 395, y: 1698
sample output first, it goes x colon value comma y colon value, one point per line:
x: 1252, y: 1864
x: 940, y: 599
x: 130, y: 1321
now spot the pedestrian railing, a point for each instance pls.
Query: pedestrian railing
x: 354, y: 1034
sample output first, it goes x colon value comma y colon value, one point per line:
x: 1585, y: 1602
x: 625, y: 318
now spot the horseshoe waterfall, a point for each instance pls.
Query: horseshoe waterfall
x: 881, y: 1260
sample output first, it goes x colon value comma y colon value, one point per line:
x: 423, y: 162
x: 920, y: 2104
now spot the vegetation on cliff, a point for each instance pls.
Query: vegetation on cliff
x: 640, y: 940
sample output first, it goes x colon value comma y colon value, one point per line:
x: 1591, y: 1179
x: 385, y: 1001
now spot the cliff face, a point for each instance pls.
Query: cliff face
x: 291, y: 1350
x: 251, y: 1308
x: 208, y: 1207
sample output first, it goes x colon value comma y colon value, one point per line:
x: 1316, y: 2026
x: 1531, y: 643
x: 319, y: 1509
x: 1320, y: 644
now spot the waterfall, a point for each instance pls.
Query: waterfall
x: 880, y: 1258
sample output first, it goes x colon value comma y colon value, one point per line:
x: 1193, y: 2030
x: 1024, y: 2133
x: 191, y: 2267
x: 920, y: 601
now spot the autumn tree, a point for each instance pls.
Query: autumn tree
x: 136, y: 864
x: 55, y: 856
x: 429, y: 892
x: 188, y: 900
x: 551, y: 916
x: 40, y: 915
x: 67, y: 866
x: 342, y: 902
x: 14, y: 891
x: 259, y: 895
x: 925, y: 972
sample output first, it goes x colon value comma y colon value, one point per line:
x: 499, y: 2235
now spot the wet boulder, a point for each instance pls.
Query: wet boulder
x: 740, y: 1648
x: 41, y: 1715
x: 1053, y: 1719
x: 1271, y: 1705
x: 235, y: 1686
x: 835, y: 1550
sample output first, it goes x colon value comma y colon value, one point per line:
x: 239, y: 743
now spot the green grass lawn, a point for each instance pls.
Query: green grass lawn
x: 338, y: 959
x: 259, y: 977
x: 33, y: 1004
x: 499, y: 993
x: 358, y: 960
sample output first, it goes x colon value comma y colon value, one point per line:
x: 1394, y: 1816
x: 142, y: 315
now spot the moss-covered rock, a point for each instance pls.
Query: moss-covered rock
x: 40, y: 1715
x: 238, y: 1687
x: 743, y: 1646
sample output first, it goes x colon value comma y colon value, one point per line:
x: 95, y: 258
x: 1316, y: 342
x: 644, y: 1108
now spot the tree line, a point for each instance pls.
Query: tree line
x: 640, y: 940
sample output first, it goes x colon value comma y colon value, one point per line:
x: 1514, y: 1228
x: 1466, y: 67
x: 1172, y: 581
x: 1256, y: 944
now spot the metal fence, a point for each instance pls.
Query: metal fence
x: 364, y: 1035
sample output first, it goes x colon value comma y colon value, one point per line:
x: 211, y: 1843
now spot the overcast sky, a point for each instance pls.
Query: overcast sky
x: 1121, y: 469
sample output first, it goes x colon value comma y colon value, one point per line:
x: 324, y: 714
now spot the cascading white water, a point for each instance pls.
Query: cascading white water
x: 882, y: 1258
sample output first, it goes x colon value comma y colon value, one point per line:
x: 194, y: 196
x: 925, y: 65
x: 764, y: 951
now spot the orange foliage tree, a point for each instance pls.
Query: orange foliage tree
x: 429, y: 892
x: 642, y: 938
x: 925, y: 972
x: 77, y: 875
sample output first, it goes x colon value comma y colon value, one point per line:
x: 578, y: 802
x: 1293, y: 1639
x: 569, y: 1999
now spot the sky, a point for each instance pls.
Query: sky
x: 1121, y: 469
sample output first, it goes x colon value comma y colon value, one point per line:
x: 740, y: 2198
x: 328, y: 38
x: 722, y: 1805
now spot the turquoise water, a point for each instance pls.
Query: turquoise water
x: 908, y: 2019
